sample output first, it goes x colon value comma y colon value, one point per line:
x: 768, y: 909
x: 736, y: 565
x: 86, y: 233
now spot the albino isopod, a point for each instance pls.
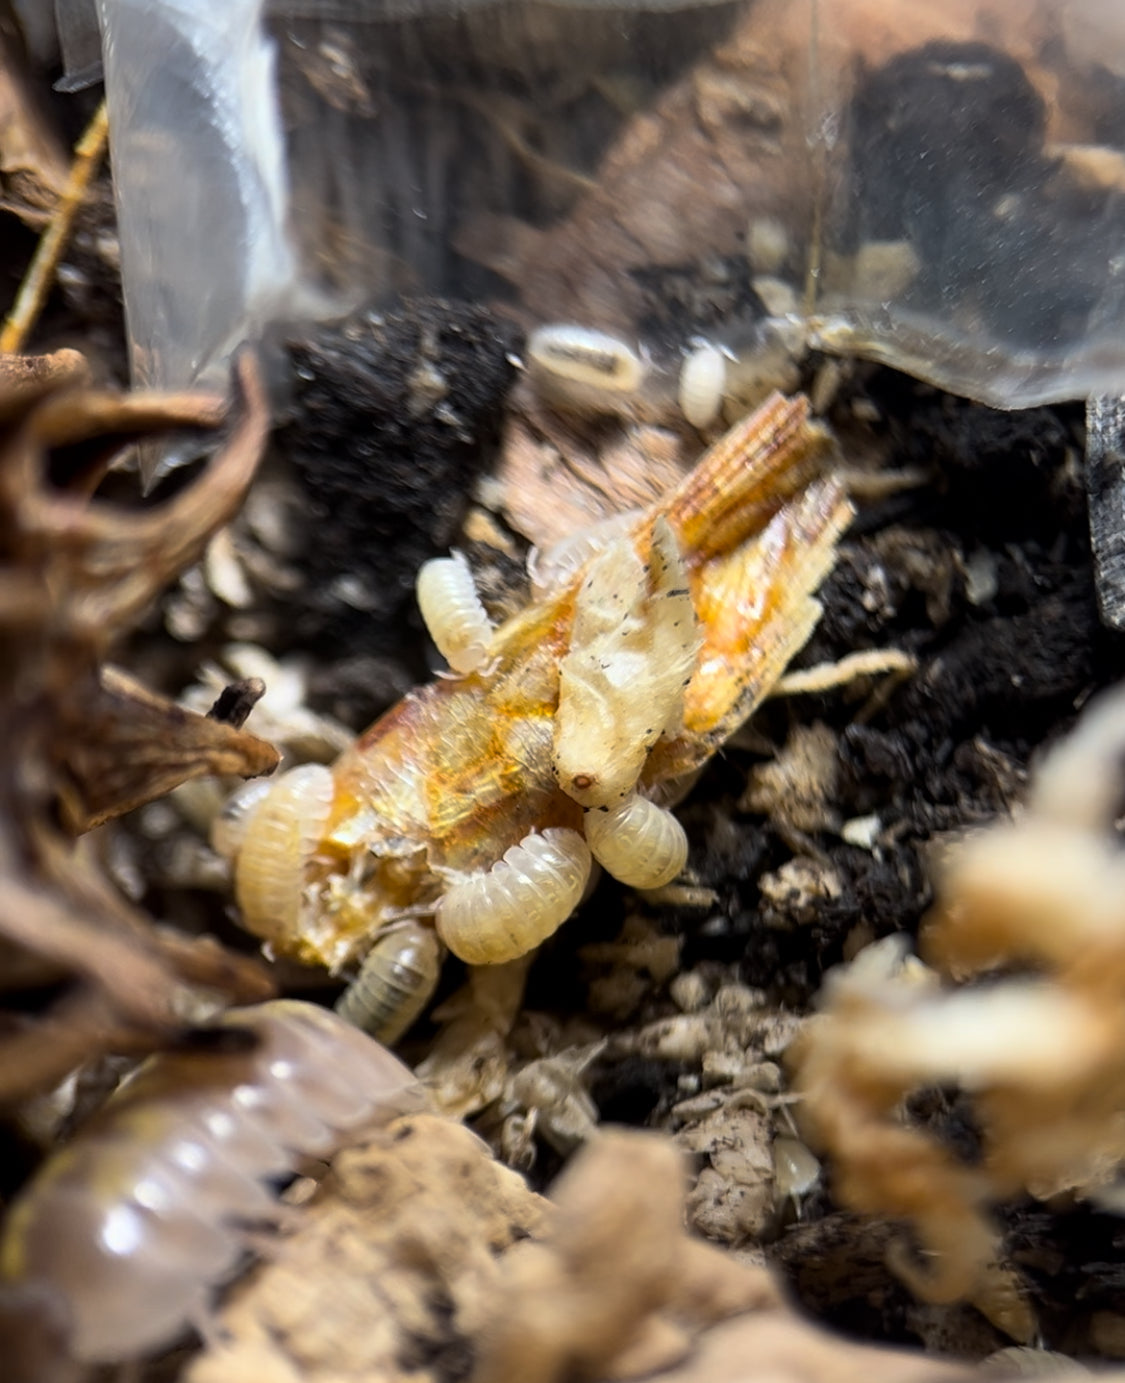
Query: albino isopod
x: 136, y: 1221
x: 395, y: 982
x: 621, y: 684
x: 583, y: 370
x: 457, y: 621
x: 228, y: 830
x: 767, y: 245
x: 280, y: 837
x: 703, y: 378
x: 553, y: 568
x: 639, y: 843
x: 487, y: 919
x: 795, y: 1169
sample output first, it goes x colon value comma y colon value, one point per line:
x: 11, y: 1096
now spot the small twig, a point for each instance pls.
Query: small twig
x: 823, y: 677
x: 41, y: 271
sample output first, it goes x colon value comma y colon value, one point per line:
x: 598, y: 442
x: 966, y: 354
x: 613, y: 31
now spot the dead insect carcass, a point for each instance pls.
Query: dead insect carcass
x: 480, y: 801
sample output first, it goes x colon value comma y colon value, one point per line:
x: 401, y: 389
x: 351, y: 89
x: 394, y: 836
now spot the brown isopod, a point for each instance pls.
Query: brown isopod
x: 457, y: 621
x: 134, y: 1223
x: 639, y: 843
x: 489, y: 918
x: 395, y: 982
x: 281, y: 835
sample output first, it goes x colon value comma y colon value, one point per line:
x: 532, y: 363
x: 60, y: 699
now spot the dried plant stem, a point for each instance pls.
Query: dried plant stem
x: 40, y: 274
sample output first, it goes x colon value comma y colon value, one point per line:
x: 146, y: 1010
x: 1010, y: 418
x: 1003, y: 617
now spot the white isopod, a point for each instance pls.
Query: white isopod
x: 228, y: 830
x: 281, y: 835
x: 632, y: 651
x: 490, y: 918
x: 551, y: 569
x: 582, y: 370
x: 795, y: 1169
x: 703, y: 378
x: 395, y: 982
x: 639, y: 843
x: 136, y: 1221
x: 457, y: 621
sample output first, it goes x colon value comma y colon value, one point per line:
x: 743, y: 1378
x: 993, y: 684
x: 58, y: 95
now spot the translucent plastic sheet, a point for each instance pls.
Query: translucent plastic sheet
x: 938, y: 185
x: 199, y: 180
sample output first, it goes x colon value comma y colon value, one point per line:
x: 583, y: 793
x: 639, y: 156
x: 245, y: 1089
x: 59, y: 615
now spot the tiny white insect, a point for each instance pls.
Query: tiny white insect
x: 457, y: 621
x: 281, y: 836
x: 702, y: 383
x: 796, y: 1170
x: 583, y: 370
x: 639, y: 843
x: 552, y: 568
x: 395, y: 982
x: 228, y: 830
x: 486, y: 919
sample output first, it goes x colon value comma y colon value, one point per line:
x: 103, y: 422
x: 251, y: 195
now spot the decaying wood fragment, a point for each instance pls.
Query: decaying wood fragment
x: 420, y: 1258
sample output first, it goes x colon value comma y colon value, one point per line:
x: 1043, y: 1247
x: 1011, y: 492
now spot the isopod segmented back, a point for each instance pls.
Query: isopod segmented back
x: 525, y: 897
x: 457, y: 621
x: 279, y: 837
x: 134, y: 1223
x: 639, y: 843
x: 395, y: 982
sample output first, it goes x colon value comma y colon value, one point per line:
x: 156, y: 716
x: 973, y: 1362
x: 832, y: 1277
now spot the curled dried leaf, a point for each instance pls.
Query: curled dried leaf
x: 79, y: 743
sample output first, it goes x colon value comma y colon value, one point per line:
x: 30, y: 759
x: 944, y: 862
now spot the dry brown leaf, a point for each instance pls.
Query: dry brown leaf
x: 75, y: 573
x: 131, y: 746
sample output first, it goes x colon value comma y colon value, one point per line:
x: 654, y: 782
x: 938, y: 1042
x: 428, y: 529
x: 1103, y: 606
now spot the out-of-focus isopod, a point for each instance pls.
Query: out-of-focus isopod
x: 583, y: 370
x: 457, y: 621
x: 639, y: 843
x: 554, y: 567
x: 395, y: 982
x: 767, y: 245
x: 280, y: 837
x: 702, y: 380
x: 487, y: 919
x: 133, y: 1224
x: 795, y: 1169
x: 228, y: 830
